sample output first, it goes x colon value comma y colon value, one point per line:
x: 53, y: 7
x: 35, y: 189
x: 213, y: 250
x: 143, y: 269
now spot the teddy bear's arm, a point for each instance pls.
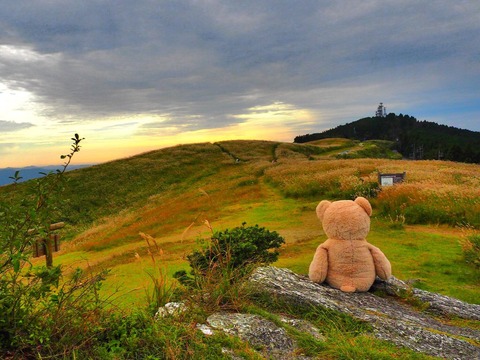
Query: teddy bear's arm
x: 319, y: 265
x: 382, y: 266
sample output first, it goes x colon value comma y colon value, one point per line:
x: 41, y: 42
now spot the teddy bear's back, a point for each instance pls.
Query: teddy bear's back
x: 350, y: 264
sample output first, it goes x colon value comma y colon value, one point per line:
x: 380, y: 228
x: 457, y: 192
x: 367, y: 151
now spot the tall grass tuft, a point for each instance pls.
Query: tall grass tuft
x: 163, y: 289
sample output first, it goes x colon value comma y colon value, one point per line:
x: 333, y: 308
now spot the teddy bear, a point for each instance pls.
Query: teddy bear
x: 346, y: 261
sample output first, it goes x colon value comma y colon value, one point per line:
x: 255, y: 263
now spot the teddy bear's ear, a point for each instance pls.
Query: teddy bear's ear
x: 321, y: 208
x: 364, y: 204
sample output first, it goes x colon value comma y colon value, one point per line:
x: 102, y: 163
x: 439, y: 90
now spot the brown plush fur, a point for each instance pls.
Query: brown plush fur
x: 346, y: 261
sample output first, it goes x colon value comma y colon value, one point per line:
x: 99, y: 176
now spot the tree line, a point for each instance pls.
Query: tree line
x: 414, y: 139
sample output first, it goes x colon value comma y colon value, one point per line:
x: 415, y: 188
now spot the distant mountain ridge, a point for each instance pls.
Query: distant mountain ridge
x: 30, y: 172
x: 413, y: 139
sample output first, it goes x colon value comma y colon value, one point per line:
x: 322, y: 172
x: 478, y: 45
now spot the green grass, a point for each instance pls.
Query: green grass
x: 429, y: 256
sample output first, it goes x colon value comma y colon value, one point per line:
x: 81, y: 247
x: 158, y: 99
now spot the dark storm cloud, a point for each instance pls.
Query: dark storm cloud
x: 201, y: 61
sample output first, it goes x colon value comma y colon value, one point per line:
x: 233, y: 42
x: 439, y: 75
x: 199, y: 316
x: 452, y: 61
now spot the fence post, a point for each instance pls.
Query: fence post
x: 49, y: 250
x: 48, y: 245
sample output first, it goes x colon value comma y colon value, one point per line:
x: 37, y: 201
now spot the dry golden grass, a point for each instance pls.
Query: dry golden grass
x: 452, y: 189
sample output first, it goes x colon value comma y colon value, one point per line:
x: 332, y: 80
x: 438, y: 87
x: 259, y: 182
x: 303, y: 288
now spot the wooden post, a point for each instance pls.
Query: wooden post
x: 56, y: 243
x: 49, y: 251
x: 48, y: 245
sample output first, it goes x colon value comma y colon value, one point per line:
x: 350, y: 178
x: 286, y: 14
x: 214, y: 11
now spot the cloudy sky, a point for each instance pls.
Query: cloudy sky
x: 134, y: 75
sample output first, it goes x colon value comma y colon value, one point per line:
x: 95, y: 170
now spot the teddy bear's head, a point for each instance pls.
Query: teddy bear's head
x: 345, y: 219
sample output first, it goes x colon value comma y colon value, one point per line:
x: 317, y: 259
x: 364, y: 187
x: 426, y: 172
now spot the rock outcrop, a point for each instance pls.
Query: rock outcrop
x: 273, y: 341
x: 391, y: 320
x: 419, y: 327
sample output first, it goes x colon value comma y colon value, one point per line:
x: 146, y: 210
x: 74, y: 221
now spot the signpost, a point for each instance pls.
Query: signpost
x: 391, y: 179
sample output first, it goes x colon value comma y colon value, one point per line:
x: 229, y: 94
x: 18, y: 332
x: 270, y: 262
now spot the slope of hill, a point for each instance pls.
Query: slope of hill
x: 177, y: 195
x: 170, y: 193
x: 413, y: 139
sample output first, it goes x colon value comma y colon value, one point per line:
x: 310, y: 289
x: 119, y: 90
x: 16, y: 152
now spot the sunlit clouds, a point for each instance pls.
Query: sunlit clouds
x: 135, y: 134
x: 139, y: 75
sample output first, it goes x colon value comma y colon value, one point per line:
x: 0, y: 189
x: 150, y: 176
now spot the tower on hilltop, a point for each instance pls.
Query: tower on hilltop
x: 381, y: 111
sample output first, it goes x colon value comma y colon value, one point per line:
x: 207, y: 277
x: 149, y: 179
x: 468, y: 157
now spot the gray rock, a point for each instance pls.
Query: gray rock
x: 171, y: 308
x: 271, y: 340
x: 205, y: 329
x: 391, y: 320
x: 445, y: 305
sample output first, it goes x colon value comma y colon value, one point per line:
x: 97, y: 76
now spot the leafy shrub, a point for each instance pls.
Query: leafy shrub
x: 240, y: 247
x: 217, y: 270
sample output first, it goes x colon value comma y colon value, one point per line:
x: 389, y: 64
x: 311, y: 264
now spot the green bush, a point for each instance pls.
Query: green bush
x: 241, y: 246
x: 218, y: 269
x: 236, y: 249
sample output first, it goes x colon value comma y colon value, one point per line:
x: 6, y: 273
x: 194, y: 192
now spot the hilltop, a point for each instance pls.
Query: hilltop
x: 412, y: 138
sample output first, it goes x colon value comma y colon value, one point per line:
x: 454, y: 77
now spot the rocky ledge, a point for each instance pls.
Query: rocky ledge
x: 421, y: 328
x: 392, y: 320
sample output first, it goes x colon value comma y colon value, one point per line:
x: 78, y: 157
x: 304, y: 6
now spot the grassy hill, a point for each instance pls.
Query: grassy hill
x: 170, y: 193
x: 176, y: 195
